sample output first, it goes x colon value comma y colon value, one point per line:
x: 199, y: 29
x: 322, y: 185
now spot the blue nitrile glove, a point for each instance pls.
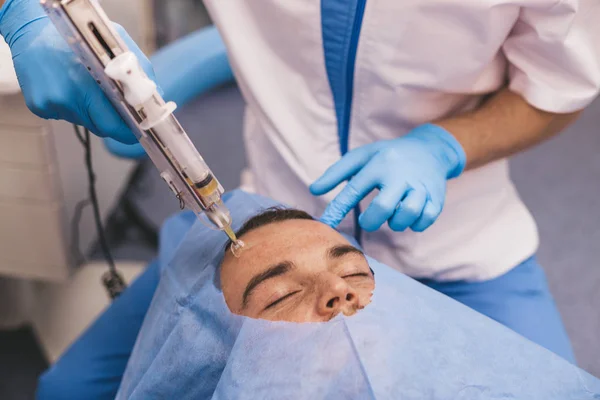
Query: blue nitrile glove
x: 54, y: 83
x: 410, y: 173
x: 129, y: 151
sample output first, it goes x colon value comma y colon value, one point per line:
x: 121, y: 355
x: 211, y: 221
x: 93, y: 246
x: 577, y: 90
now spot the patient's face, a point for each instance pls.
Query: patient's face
x: 296, y: 270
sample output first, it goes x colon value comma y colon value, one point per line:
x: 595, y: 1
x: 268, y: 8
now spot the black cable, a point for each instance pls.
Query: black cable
x: 75, y: 250
x: 95, y: 206
x: 112, y: 280
x: 79, y: 136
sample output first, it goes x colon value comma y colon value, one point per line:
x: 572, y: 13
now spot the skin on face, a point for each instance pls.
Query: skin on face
x: 301, y: 271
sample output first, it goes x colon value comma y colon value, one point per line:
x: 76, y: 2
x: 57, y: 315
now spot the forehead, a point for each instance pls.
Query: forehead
x: 285, y: 237
x: 292, y: 240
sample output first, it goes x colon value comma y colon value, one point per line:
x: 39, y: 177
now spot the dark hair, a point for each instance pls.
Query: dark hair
x: 270, y: 216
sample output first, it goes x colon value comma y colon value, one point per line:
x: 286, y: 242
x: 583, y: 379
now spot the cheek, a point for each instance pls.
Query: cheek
x: 364, y: 291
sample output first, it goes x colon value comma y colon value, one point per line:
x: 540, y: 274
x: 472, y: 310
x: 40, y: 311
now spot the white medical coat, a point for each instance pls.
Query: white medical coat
x: 416, y: 61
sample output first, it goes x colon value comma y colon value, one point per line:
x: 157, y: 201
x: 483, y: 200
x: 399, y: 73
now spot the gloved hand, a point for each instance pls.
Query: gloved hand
x: 54, y: 83
x: 410, y: 173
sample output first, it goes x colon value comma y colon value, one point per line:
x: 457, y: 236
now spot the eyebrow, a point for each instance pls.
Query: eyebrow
x: 277, y: 270
x: 343, y: 249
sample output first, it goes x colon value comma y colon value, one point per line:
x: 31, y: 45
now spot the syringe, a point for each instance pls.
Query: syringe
x: 92, y: 37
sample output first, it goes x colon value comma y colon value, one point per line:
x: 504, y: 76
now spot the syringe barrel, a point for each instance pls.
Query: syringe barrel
x: 172, y: 137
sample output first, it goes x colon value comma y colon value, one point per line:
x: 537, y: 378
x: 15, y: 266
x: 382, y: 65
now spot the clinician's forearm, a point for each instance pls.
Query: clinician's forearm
x: 504, y: 125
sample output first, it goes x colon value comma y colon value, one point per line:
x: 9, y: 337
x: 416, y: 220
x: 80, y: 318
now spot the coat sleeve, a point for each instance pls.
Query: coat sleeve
x: 554, y: 54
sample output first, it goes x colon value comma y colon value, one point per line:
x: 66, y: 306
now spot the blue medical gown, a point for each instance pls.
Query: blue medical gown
x: 411, y: 342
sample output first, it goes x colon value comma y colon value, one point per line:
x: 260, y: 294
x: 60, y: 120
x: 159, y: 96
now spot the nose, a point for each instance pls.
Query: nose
x: 336, y: 296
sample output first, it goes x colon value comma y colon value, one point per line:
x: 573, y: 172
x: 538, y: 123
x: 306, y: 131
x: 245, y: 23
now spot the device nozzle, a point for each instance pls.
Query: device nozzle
x: 230, y: 234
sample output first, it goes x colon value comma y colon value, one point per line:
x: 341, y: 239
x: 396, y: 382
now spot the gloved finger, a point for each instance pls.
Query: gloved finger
x: 409, y: 210
x: 344, y: 169
x: 382, y: 207
x: 356, y: 189
x: 430, y: 214
x: 143, y: 59
x: 130, y: 151
x: 105, y: 119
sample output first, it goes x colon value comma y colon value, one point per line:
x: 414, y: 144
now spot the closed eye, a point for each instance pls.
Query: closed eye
x: 357, y: 274
x: 279, y: 300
